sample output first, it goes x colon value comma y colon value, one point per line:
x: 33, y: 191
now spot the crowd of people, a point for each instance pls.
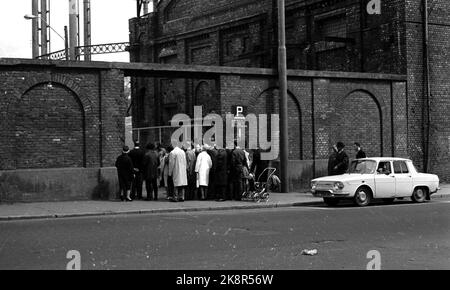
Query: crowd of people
x: 187, y: 173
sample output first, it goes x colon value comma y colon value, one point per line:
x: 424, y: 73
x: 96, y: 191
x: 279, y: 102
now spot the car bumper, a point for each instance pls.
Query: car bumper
x: 329, y: 193
x: 438, y: 188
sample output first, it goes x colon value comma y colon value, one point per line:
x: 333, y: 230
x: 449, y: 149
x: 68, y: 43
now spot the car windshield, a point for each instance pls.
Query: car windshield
x: 363, y: 167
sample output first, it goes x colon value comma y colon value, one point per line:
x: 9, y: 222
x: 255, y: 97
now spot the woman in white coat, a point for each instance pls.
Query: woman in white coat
x: 202, y: 168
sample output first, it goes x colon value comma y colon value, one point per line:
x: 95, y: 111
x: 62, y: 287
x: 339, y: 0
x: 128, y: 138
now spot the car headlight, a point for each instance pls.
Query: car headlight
x: 338, y: 186
x: 313, y: 184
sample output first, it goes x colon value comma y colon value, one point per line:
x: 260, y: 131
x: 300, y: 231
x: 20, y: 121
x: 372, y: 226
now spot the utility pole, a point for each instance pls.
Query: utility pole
x: 35, y: 28
x: 427, y: 87
x: 73, y: 28
x: 44, y: 34
x: 87, y: 29
x: 282, y: 71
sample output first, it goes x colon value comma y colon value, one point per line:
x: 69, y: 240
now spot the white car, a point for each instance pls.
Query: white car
x: 376, y: 178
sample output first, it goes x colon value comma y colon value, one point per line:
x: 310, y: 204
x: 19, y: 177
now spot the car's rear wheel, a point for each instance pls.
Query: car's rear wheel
x: 419, y: 195
x: 363, y: 196
x: 330, y: 201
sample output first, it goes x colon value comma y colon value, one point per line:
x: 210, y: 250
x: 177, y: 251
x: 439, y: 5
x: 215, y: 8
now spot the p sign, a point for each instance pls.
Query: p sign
x: 239, y: 111
x: 374, y: 7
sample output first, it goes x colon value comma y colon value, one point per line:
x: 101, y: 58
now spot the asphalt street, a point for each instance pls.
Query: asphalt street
x: 407, y: 236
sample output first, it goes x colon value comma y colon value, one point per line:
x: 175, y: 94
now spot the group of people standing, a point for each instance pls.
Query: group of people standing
x: 187, y: 173
x: 338, y: 161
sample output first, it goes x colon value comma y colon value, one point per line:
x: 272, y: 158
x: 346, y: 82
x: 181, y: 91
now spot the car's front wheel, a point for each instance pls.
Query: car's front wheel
x: 363, y: 196
x: 419, y: 195
x: 330, y: 201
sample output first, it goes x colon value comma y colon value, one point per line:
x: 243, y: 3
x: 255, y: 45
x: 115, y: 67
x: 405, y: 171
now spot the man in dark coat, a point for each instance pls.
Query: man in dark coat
x: 230, y: 191
x: 125, y: 172
x: 221, y: 174
x: 191, y: 159
x: 238, y: 162
x: 341, y: 164
x: 258, y: 166
x: 151, y: 164
x: 212, y: 152
x: 332, y: 161
x: 137, y: 156
x: 359, y: 153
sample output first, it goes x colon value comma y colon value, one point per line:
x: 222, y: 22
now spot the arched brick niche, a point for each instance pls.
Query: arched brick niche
x: 360, y: 120
x: 268, y: 103
x: 46, y: 128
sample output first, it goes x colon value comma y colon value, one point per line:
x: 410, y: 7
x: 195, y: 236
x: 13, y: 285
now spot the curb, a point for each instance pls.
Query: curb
x: 175, y: 210
x: 158, y: 211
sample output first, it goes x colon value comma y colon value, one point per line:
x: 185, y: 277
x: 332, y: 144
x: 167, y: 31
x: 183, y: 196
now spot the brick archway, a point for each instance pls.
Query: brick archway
x: 46, y: 128
x: 360, y: 119
x: 267, y: 102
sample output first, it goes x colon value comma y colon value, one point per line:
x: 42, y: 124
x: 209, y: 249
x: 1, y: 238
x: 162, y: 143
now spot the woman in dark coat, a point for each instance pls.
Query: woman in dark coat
x: 221, y: 174
x: 125, y: 172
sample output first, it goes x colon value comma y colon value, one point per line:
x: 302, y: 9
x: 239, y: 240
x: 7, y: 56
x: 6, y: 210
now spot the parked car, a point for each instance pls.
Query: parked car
x: 376, y: 178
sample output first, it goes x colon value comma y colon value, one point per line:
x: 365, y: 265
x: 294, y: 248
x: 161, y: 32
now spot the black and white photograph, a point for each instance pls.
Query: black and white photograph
x: 222, y: 143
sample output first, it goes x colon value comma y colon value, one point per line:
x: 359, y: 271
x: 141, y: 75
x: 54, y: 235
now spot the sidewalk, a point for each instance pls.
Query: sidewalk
x: 42, y: 210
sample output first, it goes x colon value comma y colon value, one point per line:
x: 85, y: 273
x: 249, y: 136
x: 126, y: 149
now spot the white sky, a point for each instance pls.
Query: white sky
x: 109, y: 24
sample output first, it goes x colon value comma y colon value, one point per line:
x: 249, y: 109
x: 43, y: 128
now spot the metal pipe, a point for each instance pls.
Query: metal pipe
x: 146, y: 6
x: 35, y: 29
x: 66, y: 42
x: 282, y: 71
x: 73, y: 28
x: 87, y: 29
x: 427, y: 88
x: 44, y: 27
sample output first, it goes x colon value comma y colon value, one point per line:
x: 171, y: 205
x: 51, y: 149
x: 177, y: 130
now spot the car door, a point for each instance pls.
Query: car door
x: 384, y: 180
x: 403, y: 179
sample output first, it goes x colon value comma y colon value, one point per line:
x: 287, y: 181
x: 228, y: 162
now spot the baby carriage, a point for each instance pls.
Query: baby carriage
x: 265, y: 182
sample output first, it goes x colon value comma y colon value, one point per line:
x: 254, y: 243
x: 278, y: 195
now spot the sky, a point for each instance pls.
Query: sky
x: 109, y: 24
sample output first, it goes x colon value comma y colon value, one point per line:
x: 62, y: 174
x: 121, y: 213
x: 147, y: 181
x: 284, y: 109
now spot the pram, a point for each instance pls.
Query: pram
x: 261, y: 187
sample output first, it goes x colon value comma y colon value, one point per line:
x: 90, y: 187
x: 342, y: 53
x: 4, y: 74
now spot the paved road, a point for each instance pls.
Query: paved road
x: 408, y: 236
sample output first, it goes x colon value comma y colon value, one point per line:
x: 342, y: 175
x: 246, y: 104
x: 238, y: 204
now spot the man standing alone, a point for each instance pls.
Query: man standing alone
x: 124, y: 167
x: 137, y: 156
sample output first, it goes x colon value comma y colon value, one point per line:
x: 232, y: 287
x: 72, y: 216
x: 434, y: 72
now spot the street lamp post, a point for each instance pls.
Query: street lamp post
x: 66, y: 48
x: 282, y: 71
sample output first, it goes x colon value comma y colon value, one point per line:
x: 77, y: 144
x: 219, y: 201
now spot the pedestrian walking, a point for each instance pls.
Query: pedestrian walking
x: 191, y: 160
x: 151, y: 165
x: 178, y: 172
x: 125, y: 171
x: 202, y: 168
x: 221, y: 174
x: 238, y: 163
x: 137, y: 156
x: 341, y: 164
x: 359, y: 153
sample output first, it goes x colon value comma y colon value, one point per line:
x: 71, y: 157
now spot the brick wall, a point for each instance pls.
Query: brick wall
x: 439, y: 48
x: 54, y: 117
